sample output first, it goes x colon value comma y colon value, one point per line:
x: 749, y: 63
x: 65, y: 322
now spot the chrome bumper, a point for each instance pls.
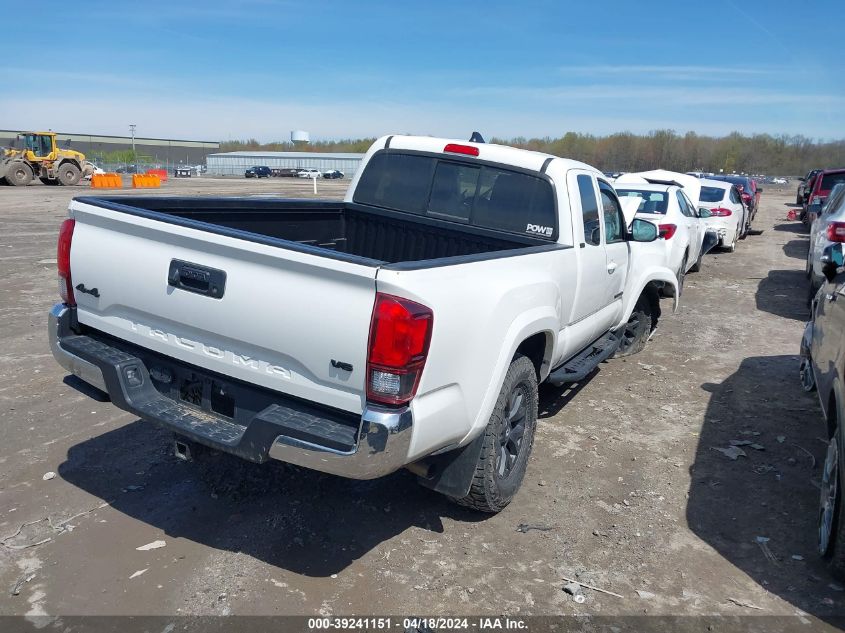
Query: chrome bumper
x: 58, y: 326
x: 383, y: 443
x: 384, y: 435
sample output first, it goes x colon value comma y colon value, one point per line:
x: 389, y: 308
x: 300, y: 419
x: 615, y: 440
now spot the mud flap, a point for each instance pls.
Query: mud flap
x: 711, y: 238
x: 451, y: 473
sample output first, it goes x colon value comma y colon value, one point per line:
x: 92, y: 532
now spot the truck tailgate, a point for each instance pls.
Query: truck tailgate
x: 279, y: 320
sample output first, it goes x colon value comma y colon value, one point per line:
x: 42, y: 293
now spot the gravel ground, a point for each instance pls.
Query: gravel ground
x: 625, y: 482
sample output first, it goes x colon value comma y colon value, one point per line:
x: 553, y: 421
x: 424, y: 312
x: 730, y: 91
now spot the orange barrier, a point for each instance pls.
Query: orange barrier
x: 145, y: 181
x: 106, y: 181
x: 161, y: 173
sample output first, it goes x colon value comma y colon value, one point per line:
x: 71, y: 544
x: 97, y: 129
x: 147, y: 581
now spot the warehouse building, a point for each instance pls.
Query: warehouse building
x: 159, y: 151
x: 235, y: 163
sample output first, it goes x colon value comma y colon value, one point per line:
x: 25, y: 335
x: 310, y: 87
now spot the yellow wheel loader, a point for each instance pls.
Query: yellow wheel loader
x: 40, y: 157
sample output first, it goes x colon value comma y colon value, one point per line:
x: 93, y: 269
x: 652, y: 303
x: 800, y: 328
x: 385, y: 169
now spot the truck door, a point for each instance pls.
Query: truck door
x: 616, y: 253
x: 602, y: 265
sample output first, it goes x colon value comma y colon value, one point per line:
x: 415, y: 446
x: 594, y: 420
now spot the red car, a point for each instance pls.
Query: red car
x: 824, y: 182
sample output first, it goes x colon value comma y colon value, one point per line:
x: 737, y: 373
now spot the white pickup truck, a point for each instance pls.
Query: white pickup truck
x: 406, y: 326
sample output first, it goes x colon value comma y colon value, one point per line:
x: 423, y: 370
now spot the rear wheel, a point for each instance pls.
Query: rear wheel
x: 69, y: 174
x: 19, y: 174
x: 507, y: 441
x: 831, y: 520
x: 634, y: 335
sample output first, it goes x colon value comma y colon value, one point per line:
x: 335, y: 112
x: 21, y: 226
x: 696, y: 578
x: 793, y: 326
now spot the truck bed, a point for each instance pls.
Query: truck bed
x: 362, y: 232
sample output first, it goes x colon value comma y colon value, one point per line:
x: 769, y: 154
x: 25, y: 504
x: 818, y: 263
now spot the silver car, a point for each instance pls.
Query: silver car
x: 828, y: 227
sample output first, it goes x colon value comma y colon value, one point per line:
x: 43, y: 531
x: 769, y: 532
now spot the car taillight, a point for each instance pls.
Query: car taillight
x: 746, y: 196
x: 400, y: 333
x: 63, y: 262
x: 454, y: 148
x: 836, y: 231
x: 720, y: 212
x: 666, y: 231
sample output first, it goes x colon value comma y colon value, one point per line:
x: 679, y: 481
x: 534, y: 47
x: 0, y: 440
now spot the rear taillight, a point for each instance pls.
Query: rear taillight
x: 454, y: 148
x: 63, y: 262
x: 720, y: 212
x: 666, y: 231
x: 400, y: 334
x: 836, y: 231
x: 746, y: 196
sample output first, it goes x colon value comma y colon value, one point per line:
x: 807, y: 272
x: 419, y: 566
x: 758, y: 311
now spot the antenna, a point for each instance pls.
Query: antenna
x: 476, y: 138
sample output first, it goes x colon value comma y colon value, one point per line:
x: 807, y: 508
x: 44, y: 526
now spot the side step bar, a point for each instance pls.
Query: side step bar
x: 579, y: 367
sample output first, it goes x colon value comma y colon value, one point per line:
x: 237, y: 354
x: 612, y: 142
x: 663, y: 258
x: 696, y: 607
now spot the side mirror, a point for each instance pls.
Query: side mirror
x: 832, y: 260
x: 643, y: 230
x: 704, y: 213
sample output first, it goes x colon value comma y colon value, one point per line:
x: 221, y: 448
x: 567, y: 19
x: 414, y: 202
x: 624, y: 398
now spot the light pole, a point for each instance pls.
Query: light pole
x: 132, y: 127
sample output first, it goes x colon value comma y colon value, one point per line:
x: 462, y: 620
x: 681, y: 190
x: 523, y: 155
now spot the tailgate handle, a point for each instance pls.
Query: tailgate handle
x: 202, y: 280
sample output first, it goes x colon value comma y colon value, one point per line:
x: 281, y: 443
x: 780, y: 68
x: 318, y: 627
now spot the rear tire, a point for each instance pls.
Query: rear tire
x: 19, y: 174
x: 69, y: 174
x: 831, y: 523
x: 507, y: 441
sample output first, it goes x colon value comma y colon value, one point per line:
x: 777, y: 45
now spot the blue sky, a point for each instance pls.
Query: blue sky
x: 339, y: 69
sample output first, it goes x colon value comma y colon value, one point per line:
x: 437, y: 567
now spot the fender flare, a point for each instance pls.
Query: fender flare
x: 652, y: 274
x: 541, y: 320
x: 454, y: 470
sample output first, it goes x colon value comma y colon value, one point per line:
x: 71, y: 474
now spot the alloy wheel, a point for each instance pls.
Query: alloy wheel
x: 512, y: 430
x: 829, y: 494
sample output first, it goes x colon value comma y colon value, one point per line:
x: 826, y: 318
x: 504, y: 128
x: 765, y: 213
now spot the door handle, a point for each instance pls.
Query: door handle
x: 611, y: 268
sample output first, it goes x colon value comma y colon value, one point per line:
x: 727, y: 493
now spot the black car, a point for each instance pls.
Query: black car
x: 806, y: 186
x: 823, y: 368
x: 333, y: 174
x: 259, y: 171
x: 285, y: 173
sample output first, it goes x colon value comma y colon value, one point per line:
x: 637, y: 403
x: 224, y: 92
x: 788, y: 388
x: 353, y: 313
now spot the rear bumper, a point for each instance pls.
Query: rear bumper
x: 285, y: 429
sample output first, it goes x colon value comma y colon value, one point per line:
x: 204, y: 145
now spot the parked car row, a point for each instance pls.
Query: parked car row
x: 814, y: 191
x: 692, y: 214
x: 822, y: 368
x: 262, y: 171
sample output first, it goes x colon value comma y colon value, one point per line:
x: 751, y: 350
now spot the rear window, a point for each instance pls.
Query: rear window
x: 712, y: 194
x: 480, y: 195
x: 830, y: 180
x: 650, y: 201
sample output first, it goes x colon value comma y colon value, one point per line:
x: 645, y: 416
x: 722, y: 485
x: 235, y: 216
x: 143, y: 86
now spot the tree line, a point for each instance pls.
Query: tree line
x: 773, y: 155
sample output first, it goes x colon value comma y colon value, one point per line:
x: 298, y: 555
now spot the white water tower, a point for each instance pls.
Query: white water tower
x: 300, y: 137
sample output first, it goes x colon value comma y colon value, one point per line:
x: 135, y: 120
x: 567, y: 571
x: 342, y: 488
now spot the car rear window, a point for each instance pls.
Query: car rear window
x: 830, y: 180
x: 650, y: 201
x: 480, y: 195
x: 711, y: 194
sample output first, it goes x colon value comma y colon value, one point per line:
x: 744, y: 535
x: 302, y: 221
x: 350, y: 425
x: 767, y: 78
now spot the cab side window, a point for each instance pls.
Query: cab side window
x: 614, y: 222
x: 589, y: 210
x: 686, y: 207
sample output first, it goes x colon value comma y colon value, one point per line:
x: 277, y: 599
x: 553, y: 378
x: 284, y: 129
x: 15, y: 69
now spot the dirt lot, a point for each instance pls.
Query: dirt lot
x: 623, y: 474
